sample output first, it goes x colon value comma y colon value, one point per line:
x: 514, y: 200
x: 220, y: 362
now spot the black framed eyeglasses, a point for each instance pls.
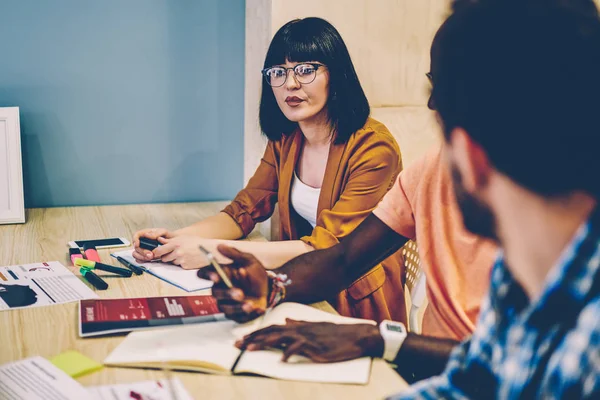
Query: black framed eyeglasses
x: 430, y: 102
x: 305, y: 73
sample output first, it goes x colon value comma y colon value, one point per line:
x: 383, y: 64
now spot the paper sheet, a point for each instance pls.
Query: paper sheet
x: 163, y: 389
x: 186, y: 279
x: 37, y: 379
x: 40, y: 284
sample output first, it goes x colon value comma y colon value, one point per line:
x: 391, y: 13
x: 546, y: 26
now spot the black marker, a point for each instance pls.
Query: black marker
x: 148, y: 244
x: 135, y: 268
x: 93, y: 279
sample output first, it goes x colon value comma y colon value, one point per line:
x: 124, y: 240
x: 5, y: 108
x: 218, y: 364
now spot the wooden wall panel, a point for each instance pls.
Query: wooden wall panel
x: 389, y: 41
x: 415, y: 128
x: 258, y: 37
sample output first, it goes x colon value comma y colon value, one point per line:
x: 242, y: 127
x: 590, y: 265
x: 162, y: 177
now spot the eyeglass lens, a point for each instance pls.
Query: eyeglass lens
x: 277, y: 76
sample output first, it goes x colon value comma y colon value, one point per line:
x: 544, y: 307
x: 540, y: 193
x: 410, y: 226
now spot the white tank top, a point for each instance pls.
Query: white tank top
x: 305, y: 200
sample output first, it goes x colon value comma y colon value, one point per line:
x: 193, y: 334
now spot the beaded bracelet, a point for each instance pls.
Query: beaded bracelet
x: 278, y: 290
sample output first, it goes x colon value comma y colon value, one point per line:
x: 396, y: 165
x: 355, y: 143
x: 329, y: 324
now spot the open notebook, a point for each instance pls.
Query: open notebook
x: 210, y: 348
x: 186, y: 279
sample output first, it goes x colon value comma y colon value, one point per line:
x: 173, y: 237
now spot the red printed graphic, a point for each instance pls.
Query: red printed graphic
x: 147, y: 308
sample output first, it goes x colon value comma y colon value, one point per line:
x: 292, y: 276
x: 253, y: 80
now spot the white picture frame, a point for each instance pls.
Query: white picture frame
x: 12, y: 203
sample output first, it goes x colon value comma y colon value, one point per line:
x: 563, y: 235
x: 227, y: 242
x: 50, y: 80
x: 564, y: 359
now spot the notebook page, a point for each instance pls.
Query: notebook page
x: 193, y: 345
x: 268, y: 363
x: 186, y: 279
x: 301, y: 312
x: 296, y: 311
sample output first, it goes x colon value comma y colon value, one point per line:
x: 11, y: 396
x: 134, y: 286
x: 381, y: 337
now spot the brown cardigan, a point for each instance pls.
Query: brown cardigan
x: 357, y: 176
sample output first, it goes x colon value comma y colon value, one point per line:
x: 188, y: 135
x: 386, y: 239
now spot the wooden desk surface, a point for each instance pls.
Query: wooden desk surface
x: 48, y: 331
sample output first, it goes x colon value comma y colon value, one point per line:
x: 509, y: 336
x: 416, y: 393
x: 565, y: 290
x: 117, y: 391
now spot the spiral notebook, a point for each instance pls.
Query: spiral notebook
x: 186, y: 279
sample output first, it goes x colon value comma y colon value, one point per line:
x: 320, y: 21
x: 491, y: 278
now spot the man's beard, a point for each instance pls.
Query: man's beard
x: 477, y: 217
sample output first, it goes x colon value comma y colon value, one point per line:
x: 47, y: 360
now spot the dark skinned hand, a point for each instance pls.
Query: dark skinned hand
x: 321, y: 342
x: 247, y: 299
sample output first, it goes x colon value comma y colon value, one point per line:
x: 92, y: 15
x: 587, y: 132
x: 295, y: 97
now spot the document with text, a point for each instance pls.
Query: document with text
x: 36, y: 378
x: 40, y: 284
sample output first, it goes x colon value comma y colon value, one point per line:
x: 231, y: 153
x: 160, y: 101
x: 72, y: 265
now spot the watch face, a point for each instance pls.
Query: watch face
x: 394, y: 328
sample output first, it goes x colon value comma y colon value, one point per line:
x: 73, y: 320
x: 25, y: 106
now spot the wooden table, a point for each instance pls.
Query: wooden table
x: 48, y: 331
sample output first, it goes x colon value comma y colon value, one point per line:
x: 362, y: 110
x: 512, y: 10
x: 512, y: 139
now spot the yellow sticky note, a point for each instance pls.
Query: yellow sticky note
x: 75, y: 364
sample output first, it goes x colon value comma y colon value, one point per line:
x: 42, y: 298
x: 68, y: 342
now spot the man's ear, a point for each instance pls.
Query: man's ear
x: 470, y: 159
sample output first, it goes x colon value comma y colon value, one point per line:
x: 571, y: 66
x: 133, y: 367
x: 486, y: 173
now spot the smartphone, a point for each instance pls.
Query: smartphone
x: 101, y: 243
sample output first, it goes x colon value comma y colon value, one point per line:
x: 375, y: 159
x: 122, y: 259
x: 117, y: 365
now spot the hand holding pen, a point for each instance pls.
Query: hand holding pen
x: 213, y: 261
x: 246, y: 298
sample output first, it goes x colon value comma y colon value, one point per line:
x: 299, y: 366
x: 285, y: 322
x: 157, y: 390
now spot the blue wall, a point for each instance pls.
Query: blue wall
x: 130, y: 101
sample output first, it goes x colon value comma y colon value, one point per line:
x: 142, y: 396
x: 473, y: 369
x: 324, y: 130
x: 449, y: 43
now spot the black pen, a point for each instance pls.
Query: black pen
x: 135, y: 268
x: 115, y: 270
x: 93, y: 279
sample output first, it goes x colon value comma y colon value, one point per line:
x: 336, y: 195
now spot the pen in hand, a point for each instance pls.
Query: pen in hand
x: 217, y: 266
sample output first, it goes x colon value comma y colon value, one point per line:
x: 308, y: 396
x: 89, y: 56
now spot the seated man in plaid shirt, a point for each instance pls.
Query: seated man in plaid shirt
x: 516, y: 84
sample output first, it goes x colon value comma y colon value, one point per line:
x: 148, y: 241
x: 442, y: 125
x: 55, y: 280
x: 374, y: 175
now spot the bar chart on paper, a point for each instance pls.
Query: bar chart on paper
x: 175, y: 309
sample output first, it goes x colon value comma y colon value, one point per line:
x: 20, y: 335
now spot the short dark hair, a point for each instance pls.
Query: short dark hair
x: 314, y: 39
x: 522, y: 77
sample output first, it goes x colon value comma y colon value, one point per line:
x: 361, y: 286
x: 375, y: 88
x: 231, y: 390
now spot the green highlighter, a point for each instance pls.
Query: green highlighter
x: 93, y: 279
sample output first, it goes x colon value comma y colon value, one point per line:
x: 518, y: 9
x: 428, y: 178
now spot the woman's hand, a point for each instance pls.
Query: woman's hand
x: 143, y: 255
x: 184, y: 251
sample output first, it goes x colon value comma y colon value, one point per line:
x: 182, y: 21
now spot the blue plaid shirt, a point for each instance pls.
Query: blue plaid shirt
x: 549, y: 348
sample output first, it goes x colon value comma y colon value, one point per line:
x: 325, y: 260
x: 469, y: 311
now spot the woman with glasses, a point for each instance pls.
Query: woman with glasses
x: 326, y: 165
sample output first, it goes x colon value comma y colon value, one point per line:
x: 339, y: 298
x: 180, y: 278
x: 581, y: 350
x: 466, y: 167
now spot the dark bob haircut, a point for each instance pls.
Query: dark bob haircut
x: 314, y: 39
